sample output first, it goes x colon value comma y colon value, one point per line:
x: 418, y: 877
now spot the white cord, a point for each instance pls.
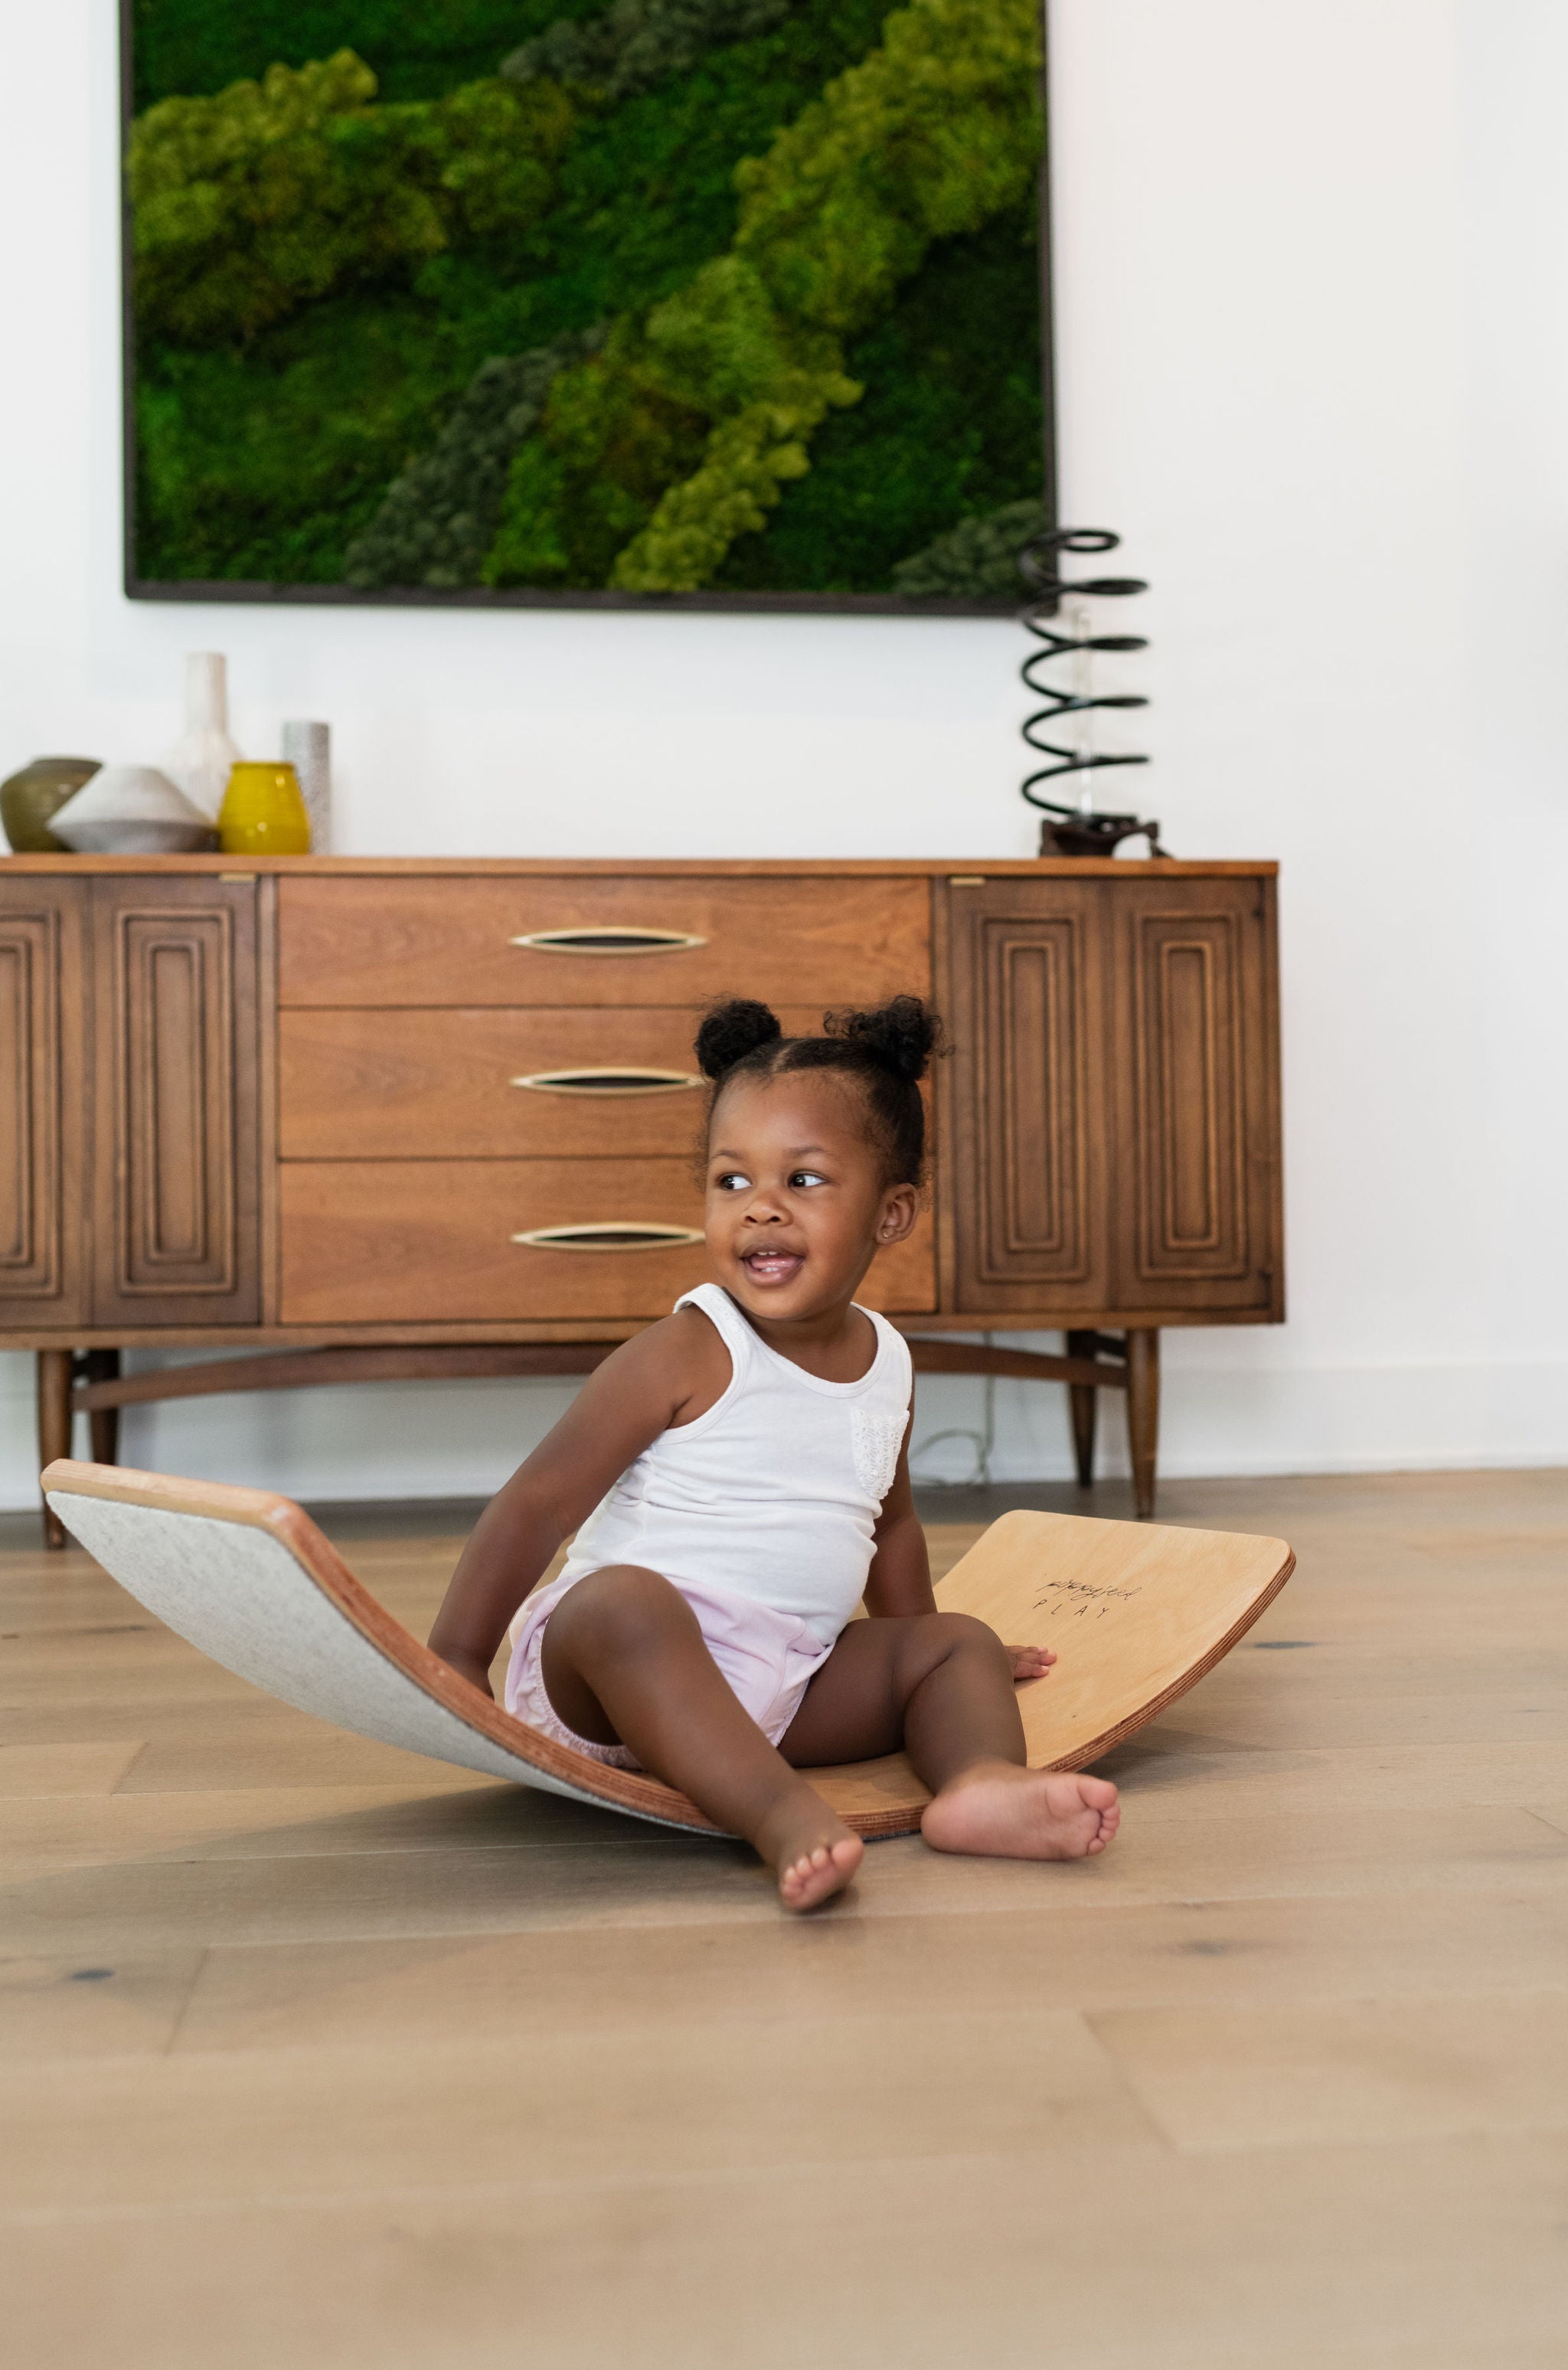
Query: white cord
x: 983, y: 1443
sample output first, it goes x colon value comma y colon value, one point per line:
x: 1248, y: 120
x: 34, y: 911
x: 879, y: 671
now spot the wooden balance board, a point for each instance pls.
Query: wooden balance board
x: 1137, y: 1613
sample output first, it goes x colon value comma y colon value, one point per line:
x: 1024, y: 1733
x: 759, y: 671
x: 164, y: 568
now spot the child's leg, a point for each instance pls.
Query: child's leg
x: 939, y: 1685
x: 623, y: 1659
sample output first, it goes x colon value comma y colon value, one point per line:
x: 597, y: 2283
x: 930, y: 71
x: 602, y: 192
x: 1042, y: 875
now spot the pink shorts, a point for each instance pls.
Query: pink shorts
x: 768, y: 1658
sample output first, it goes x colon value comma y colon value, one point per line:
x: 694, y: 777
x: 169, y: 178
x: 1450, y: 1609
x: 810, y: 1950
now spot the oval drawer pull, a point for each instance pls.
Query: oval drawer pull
x: 610, y: 1235
x: 605, y: 938
x: 620, y: 1079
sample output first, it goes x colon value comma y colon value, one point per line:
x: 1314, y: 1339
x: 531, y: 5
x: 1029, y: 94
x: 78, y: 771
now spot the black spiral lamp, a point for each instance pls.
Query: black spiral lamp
x: 1084, y: 829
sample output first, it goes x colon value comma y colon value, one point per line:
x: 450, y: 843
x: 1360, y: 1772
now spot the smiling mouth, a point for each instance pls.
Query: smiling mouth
x: 773, y: 1266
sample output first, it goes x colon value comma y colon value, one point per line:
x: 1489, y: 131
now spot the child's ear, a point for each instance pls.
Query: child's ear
x: 896, y: 1219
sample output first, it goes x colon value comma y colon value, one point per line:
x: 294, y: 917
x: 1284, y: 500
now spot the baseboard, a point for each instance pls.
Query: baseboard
x: 1229, y: 1408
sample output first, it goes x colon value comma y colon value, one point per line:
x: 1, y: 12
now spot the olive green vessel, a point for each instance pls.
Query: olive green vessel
x: 29, y: 798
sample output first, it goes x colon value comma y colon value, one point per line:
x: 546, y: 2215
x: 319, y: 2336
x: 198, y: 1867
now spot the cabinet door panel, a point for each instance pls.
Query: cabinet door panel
x: 176, y: 1183
x: 40, y: 1101
x: 1027, y: 1161
x: 1194, y: 1079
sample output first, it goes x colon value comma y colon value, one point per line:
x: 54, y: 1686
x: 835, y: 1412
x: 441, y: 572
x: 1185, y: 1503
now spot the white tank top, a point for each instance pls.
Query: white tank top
x: 772, y: 1494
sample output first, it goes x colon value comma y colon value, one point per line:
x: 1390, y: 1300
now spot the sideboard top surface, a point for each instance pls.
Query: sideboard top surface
x: 1072, y: 868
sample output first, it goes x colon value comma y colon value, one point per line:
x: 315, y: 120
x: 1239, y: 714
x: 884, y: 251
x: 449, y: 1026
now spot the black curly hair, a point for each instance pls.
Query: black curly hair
x: 886, y: 1051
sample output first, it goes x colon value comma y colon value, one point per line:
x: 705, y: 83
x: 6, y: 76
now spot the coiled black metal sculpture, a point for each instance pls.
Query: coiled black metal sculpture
x: 1082, y: 830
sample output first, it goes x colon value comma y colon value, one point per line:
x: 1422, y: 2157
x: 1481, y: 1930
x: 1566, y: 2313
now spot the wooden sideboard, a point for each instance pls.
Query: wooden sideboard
x: 363, y: 1117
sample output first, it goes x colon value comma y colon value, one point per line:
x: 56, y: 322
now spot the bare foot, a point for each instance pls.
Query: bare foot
x: 1006, y: 1812
x: 812, y: 1853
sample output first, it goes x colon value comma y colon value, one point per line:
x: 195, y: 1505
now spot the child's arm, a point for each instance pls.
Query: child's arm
x: 899, y: 1577
x: 666, y: 1375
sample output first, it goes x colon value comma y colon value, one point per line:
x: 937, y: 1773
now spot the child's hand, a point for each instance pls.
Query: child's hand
x: 1030, y: 1663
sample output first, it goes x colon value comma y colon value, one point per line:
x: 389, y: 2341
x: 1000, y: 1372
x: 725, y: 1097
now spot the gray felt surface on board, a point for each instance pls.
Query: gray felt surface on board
x: 241, y: 1596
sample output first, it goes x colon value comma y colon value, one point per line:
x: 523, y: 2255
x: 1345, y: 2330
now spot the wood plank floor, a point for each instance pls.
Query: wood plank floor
x: 317, y: 2056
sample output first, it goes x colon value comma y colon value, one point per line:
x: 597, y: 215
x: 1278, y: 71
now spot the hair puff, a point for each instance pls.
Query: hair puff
x: 902, y: 1035
x: 731, y: 1032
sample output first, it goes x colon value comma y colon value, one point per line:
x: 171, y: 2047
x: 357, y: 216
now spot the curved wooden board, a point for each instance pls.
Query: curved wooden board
x: 1136, y: 1612
x: 248, y: 1579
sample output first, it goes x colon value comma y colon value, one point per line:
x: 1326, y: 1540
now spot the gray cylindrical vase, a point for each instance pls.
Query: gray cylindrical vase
x: 308, y: 748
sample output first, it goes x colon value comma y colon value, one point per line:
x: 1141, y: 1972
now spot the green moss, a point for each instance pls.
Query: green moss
x: 931, y: 134
x: 633, y: 44
x: 440, y: 517
x: 976, y: 560
x: 276, y: 192
x: 949, y: 424
x: 419, y: 48
x: 613, y: 443
x: 266, y: 470
x: 647, y: 193
x: 266, y: 464
x: 362, y: 382
x: 529, y: 549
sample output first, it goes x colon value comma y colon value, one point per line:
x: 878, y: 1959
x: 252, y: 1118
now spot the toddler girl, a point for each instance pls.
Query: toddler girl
x: 741, y: 1476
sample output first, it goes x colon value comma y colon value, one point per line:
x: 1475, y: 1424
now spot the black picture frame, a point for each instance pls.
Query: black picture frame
x: 252, y: 594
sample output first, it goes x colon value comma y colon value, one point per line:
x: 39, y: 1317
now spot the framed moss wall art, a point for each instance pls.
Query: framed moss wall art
x: 728, y: 303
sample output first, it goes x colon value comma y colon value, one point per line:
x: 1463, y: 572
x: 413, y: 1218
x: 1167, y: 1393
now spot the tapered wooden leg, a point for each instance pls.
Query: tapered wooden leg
x: 103, y: 1366
x: 53, y: 1426
x: 1143, y: 1414
x: 1086, y: 1401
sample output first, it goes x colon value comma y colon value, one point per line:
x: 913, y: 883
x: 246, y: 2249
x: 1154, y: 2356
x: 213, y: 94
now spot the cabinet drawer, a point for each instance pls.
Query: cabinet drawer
x: 481, y: 1082
x: 554, y: 940
x: 431, y: 1242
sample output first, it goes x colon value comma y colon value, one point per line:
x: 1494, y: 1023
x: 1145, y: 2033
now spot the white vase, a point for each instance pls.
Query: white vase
x: 308, y: 748
x: 200, y: 759
x: 130, y: 810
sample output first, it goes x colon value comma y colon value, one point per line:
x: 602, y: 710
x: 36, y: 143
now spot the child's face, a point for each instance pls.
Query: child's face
x: 796, y: 1205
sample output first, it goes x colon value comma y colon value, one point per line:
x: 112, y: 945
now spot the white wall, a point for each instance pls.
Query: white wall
x: 1313, y: 330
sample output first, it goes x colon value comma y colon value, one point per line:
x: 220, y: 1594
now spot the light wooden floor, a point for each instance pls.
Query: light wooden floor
x: 316, y: 2056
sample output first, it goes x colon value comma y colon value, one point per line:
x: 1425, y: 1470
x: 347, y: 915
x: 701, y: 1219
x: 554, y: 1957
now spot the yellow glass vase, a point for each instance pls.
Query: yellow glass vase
x: 263, y: 812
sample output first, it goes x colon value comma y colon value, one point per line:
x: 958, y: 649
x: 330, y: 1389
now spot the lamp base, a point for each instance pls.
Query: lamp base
x: 1095, y: 834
